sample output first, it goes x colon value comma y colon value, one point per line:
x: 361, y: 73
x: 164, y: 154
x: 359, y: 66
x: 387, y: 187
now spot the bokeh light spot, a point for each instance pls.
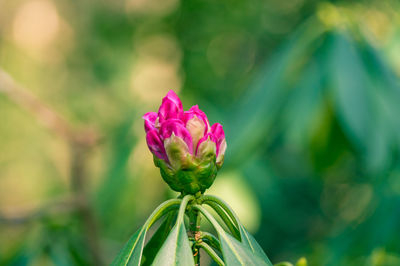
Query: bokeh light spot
x: 36, y: 24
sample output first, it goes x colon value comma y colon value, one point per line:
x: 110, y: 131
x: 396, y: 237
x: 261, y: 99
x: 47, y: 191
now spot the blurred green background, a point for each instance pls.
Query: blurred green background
x: 308, y: 93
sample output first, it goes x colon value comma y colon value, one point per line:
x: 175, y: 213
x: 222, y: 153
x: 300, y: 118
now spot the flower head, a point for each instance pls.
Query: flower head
x: 186, y: 148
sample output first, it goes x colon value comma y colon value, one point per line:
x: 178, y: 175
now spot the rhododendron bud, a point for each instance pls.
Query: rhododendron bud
x: 186, y: 149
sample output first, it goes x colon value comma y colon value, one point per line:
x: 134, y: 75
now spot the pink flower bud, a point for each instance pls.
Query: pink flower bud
x: 171, y: 107
x: 186, y: 149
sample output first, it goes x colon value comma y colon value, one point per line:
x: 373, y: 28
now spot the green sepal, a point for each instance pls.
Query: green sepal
x: 207, y: 149
x: 177, y: 151
x: 193, y: 176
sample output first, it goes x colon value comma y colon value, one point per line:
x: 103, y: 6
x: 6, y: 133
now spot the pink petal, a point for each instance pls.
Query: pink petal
x: 171, y: 95
x: 149, y: 121
x: 219, y: 135
x: 177, y: 127
x: 218, y: 131
x: 171, y: 107
x: 221, y: 153
x: 195, y: 111
x: 156, y: 145
x: 197, y: 128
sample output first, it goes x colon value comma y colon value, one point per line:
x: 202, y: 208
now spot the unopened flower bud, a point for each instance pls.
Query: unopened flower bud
x: 186, y: 149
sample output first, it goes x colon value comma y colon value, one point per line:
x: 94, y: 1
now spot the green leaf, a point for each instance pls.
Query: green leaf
x: 246, y: 239
x: 132, y: 249
x: 252, y: 244
x: 227, y: 220
x: 304, y: 104
x: 211, y: 240
x: 237, y: 253
x: 156, y: 241
x: 176, y: 249
x: 268, y: 93
x: 115, y: 179
x: 350, y: 81
x: 234, y: 251
x: 131, y: 253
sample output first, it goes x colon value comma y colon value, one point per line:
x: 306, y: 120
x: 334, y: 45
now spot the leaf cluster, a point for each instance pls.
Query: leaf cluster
x: 174, y: 246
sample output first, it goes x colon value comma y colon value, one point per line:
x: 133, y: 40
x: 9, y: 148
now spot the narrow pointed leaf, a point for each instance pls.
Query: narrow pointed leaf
x: 237, y: 253
x: 234, y: 251
x: 351, y: 81
x: 156, y: 241
x: 176, y: 249
x: 251, y: 243
x: 132, y: 251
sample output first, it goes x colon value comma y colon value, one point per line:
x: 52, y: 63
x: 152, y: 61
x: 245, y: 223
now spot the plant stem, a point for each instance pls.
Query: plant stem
x: 194, y: 226
x: 212, y: 253
x: 43, y: 113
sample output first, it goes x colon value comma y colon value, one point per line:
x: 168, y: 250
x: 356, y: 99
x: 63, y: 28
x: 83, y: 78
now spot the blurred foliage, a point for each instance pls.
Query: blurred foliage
x: 308, y: 93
